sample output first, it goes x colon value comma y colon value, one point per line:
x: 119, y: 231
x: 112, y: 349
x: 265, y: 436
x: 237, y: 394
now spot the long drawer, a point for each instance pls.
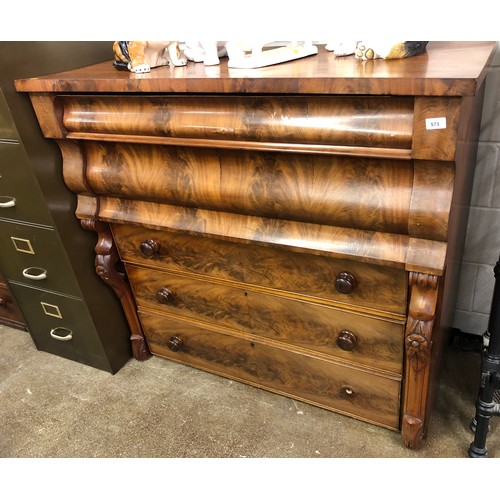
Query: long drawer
x: 312, y: 276
x: 352, y: 337
x: 331, y: 385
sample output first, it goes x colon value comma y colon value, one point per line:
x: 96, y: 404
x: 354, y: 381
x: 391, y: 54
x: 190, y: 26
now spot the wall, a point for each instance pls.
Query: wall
x: 482, y: 245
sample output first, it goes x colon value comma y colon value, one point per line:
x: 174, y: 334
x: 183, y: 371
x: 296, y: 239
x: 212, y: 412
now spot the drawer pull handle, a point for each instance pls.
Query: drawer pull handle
x: 345, y: 282
x: 7, y: 204
x: 149, y: 247
x: 40, y: 274
x: 164, y: 296
x: 3, y: 302
x: 346, y: 340
x: 175, y: 343
x: 66, y: 337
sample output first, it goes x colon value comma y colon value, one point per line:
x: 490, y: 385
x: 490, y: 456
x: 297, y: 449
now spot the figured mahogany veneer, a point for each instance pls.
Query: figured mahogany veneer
x: 298, y: 228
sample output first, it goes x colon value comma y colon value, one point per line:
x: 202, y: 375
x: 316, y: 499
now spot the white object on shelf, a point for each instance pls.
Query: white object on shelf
x: 258, y: 58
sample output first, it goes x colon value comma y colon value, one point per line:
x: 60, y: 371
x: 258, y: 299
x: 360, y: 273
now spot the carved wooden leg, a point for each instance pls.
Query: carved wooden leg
x: 418, y: 345
x: 105, y: 266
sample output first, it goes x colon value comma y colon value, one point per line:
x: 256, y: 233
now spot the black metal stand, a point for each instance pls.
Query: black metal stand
x: 486, y: 406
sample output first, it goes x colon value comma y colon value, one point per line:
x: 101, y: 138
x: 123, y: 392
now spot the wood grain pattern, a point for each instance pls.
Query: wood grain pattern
x: 338, y: 191
x: 367, y: 396
x: 392, y: 250
x: 378, y: 343
x: 376, y: 122
x: 446, y: 68
x: 312, y: 277
x: 275, y: 205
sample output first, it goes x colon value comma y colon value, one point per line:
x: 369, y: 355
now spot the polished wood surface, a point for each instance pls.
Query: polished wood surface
x: 305, y: 276
x: 297, y: 228
x: 331, y: 385
x: 446, y: 68
x: 291, y: 320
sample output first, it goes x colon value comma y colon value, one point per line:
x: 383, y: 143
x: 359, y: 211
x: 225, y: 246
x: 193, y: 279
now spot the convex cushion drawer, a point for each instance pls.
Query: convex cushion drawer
x: 331, y: 385
x: 352, y: 337
x: 317, y: 277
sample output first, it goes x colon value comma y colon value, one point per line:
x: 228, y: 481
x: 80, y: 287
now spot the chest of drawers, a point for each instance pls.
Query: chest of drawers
x: 298, y: 227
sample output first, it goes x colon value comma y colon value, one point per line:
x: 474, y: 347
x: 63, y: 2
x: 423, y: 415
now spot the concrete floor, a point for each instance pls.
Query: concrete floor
x: 53, y: 407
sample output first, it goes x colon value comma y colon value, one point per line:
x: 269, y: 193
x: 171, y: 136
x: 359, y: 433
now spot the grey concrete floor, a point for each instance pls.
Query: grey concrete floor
x: 51, y: 407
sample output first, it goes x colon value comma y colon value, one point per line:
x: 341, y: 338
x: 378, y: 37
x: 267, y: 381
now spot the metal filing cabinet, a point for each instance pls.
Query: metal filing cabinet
x: 44, y: 256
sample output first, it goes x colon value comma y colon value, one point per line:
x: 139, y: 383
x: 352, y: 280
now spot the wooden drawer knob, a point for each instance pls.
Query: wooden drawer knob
x: 2, y: 302
x: 345, y: 282
x: 164, y: 296
x: 149, y: 247
x: 175, y: 343
x: 346, y: 340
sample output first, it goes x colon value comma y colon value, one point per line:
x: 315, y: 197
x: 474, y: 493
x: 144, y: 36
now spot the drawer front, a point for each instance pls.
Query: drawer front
x: 361, y: 193
x: 313, y: 276
x: 351, y: 337
x: 60, y: 325
x: 357, y: 393
x: 20, y: 195
x: 35, y: 256
x: 9, y: 311
x: 385, y: 122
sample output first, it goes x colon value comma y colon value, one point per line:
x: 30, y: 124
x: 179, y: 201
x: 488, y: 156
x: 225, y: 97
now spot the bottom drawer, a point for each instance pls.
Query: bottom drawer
x: 60, y: 325
x: 357, y: 393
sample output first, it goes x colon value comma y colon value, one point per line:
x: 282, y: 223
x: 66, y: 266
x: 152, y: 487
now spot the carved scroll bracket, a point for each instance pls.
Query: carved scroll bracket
x: 418, y: 347
x: 106, y: 268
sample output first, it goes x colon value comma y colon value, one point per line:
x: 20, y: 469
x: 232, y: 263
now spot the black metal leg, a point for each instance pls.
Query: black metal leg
x: 486, y: 407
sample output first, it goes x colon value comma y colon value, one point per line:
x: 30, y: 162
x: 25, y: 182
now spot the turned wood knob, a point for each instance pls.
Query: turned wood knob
x: 175, y: 343
x: 345, y: 282
x: 164, y: 296
x: 346, y: 340
x: 149, y: 247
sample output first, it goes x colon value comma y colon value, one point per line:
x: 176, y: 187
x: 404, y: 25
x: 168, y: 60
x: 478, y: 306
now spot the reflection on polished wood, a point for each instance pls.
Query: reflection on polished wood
x: 297, y: 227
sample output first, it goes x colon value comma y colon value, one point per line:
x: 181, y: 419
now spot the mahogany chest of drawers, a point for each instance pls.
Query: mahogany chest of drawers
x: 298, y: 227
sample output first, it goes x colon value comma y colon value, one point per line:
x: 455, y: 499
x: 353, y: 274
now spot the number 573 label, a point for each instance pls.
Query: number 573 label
x: 435, y: 123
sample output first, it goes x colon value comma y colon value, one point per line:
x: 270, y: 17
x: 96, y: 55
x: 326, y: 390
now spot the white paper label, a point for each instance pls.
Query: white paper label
x: 435, y: 123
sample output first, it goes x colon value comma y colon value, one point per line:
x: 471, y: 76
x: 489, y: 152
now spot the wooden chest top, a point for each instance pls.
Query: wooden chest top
x: 446, y: 68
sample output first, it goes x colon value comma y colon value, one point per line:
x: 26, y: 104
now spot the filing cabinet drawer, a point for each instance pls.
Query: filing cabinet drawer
x: 35, y: 256
x: 60, y: 325
x: 20, y: 195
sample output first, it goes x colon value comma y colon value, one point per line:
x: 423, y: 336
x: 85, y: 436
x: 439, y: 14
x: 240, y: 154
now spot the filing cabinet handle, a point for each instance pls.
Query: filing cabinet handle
x: 8, y: 204
x: 53, y: 334
x: 35, y: 277
x: 345, y: 282
x: 149, y: 247
x: 164, y: 296
x: 346, y: 340
x: 175, y: 343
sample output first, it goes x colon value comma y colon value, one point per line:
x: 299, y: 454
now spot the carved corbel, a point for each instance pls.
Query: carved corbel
x: 105, y: 265
x: 418, y: 347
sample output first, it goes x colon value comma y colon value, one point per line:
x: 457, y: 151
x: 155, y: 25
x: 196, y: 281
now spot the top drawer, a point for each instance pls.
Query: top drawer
x: 348, y: 121
x: 373, y: 126
x: 360, y: 285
